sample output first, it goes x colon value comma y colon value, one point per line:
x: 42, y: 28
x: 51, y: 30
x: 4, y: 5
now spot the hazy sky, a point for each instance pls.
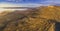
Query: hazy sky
x: 4, y: 3
x: 26, y: 3
x: 30, y: 2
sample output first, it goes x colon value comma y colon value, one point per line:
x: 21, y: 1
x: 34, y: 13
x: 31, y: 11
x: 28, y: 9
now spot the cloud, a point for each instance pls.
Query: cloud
x: 6, y: 4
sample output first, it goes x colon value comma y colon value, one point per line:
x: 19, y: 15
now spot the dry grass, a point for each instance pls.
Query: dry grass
x: 40, y: 19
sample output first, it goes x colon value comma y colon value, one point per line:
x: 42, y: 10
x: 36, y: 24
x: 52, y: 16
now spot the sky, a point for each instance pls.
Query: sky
x: 26, y: 3
x: 31, y: 1
x: 18, y: 3
x: 22, y: 1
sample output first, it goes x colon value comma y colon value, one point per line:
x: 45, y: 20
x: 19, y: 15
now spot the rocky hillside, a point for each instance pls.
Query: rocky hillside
x: 40, y: 19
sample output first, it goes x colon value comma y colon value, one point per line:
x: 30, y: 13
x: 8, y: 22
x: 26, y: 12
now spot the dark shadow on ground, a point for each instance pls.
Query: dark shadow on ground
x: 57, y: 26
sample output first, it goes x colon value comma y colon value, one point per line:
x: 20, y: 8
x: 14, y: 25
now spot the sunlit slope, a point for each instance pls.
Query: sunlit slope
x: 40, y: 19
x: 50, y: 12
